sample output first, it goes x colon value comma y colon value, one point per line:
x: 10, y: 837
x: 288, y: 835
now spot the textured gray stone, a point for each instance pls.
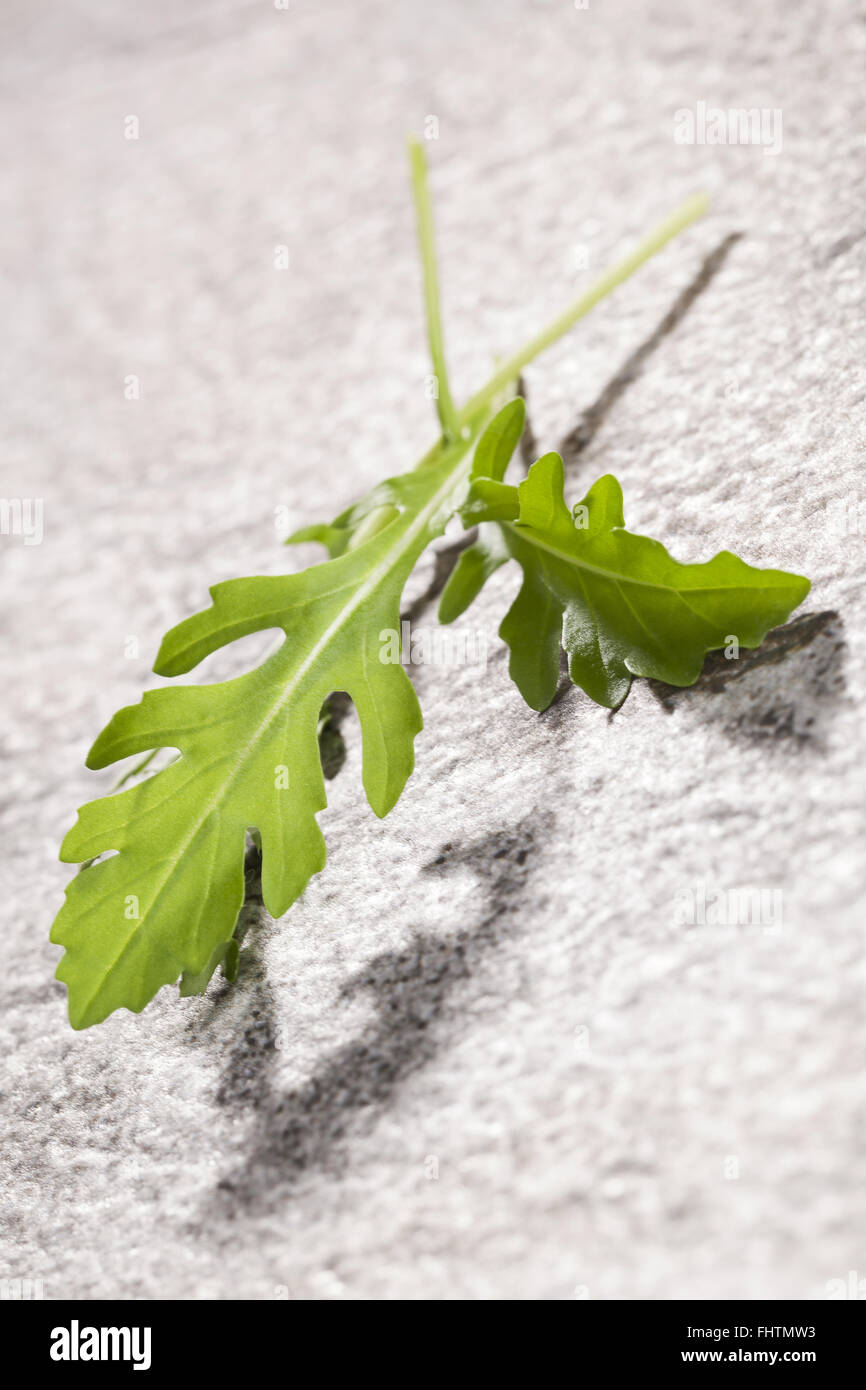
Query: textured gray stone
x: 430, y: 999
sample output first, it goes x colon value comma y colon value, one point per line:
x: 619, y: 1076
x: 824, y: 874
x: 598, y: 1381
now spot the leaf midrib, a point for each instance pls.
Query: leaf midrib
x: 618, y: 576
x: 380, y: 572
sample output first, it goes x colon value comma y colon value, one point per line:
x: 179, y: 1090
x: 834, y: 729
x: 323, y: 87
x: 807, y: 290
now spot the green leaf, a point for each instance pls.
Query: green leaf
x: 334, y: 538
x: 618, y: 603
x: 355, y: 525
x: 166, y: 903
x: 227, y: 954
x: 498, y: 442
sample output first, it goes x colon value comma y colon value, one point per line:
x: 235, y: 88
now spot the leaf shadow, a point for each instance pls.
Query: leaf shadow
x: 581, y: 435
x: 307, y: 1129
x: 753, y: 700
x: 750, y: 698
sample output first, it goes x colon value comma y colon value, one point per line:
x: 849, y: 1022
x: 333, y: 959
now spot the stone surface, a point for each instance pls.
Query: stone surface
x: 483, y: 1057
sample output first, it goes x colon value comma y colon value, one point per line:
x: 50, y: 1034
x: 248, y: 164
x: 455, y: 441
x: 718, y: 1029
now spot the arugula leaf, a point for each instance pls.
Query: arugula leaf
x: 168, y: 901
x: 227, y: 955
x: 619, y: 603
x: 165, y: 902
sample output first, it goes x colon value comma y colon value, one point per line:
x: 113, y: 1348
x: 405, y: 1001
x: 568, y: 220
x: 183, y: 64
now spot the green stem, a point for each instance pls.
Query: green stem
x: 444, y: 401
x: 677, y: 221
x: 464, y: 425
x: 474, y: 413
x: 134, y: 771
x: 140, y: 767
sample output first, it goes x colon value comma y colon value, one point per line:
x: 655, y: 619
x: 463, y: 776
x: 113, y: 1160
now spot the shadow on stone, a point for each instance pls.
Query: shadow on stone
x: 307, y: 1128
x: 332, y: 745
x: 591, y: 420
x: 582, y: 434
x: 786, y: 689
x: 783, y: 690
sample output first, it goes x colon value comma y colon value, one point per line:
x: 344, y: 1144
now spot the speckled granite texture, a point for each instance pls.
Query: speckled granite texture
x: 484, y: 1057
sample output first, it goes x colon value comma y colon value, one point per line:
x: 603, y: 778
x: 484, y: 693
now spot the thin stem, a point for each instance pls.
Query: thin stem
x: 475, y: 413
x: 444, y: 402
x: 140, y: 767
x: 134, y: 771
x: 677, y: 221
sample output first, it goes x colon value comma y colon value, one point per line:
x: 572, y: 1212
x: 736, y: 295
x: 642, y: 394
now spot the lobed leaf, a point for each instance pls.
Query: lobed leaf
x: 165, y: 904
x: 618, y: 603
